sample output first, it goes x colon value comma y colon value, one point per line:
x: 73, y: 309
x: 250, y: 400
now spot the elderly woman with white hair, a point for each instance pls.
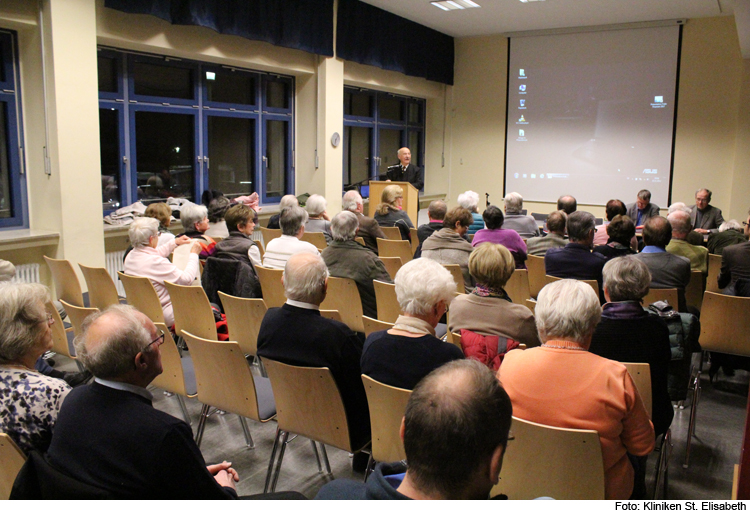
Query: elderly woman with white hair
x: 470, y: 200
x: 318, y: 220
x: 29, y: 401
x: 348, y: 259
x: 563, y: 385
x: 406, y: 353
x: 287, y: 200
x: 148, y: 259
x: 730, y: 233
x: 194, y: 220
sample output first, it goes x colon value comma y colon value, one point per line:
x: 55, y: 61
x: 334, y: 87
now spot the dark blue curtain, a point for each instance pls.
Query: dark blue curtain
x: 300, y: 24
x: 368, y: 35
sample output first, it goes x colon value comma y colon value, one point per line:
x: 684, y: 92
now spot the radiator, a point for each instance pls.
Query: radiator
x: 114, y: 263
x: 27, y: 273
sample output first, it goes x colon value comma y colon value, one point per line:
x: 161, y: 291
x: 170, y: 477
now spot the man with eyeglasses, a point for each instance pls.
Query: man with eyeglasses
x: 704, y: 217
x: 108, y: 435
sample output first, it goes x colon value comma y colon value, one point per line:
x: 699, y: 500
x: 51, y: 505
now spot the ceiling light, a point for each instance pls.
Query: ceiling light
x: 452, y: 5
x: 527, y: 1
x: 455, y: 5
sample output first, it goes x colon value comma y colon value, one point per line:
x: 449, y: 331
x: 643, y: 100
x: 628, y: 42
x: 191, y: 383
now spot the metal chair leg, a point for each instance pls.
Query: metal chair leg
x: 284, y: 436
x: 693, y: 413
x: 370, y: 467
x: 202, y: 424
x: 246, y: 430
x: 270, y: 462
x: 662, y: 464
x: 183, y: 407
x: 325, y: 460
x: 317, y: 456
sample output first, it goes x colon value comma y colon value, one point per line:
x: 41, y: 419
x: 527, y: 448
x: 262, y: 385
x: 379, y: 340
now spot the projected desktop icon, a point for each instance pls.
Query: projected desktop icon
x: 522, y: 88
x: 522, y: 103
x: 522, y: 120
x: 522, y: 73
x: 515, y: 175
x: 533, y: 176
x: 524, y: 175
x: 521, y: 133
x: 658, y: 98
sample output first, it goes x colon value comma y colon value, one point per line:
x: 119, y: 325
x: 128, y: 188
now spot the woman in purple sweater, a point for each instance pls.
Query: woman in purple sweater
x: 493, y: 219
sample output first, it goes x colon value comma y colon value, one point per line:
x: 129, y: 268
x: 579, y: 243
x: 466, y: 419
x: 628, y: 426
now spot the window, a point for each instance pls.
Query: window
x: 376, y: 126
x: 173, y: 128
x: 12, y: 177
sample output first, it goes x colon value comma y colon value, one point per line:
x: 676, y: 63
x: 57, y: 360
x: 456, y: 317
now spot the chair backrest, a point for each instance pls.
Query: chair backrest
x: 181, y: 257
x: 192, y: 311
x: 140, y: 293
x: 387, y: 405
x: 243, y: 320
x: 374, y: 325
x: 591, y: 282
x: 531, y: 305
x: 308, y: 403
x: 77, y: 314
x: 172, y: 378
x: 360, y: 240
x: 537, y: 274
x: 270, y: 282
x: 724, y: 323
x: 391, y: 233
x: 316, y: 239
x: 414, y: 237
x: 332, y: 314
x: 343, y: 296
x: 662, y: 294
x: 269, y: 234
x: 695, y: 288
x: 641, y: 374
x: 395, y: 248
x: 102, y: 290
x: 261, y: 249
x: 517, y: 286
x: 60, y: 344
x: 11, y: 461
x: 455, y: 338
x: 66, y: 282
x: 540, y: 216
x: 387, y: 302
x: 712, y: 281
x: 458, y: 276
x: 223, y: 376
x: 392, y: 265
x: 545, y: 461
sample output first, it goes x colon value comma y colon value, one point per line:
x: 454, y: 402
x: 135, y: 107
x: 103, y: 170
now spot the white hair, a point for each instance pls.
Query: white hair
x: 291, y: 219
x: 315, y: 205
x: 288, y: 200
x: 191, y: 214
x: 305, y: 277
x: 421, y: 284
x: 469, y: 200
x: 344, y: 226
x: 20, y: 315
x: 351, y: 200
x: 567, y: 309
x: 141, y: 231
x: 513, y: 202
x: 730, y: 224
x: 680, y: 222
x: 678, y: 206
x: 626, y: 278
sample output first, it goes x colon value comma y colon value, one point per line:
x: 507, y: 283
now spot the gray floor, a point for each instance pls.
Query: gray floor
x: 715, y: 447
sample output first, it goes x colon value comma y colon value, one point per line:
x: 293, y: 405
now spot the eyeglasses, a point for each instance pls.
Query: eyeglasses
x: 159, y: 341
x: 48, y: 319
x: 744, y: 223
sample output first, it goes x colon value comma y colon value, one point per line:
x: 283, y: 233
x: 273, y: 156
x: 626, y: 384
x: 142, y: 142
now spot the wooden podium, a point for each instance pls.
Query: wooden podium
x: 411, y: 197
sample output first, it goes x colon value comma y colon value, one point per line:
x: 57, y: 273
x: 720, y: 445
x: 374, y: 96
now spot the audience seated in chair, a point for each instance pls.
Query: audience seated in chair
x: 620, y: 231
x: 435, y: 216
x: 681, y: 227
x: 568, y: 204
x: 194, y: 219
x: 516, y: 220
x: 494, y: 233
x: 735, y: 266
x: 369, y: 229
x: 469, y: 200
x: 241, y: 221
x: 318, y: 221
x: 390, y: 212
x: 612, y: 209
x: 279, y: 250
x: 556, y: 223
x: 287, y: 200
x: 448, y: 246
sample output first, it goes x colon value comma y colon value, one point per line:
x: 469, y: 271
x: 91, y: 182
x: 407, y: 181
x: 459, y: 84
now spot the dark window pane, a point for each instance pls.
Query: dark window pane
x: 414, y: 140
x: 390, y: 108
x: 162, y: 80
x: 277, y: 94
x: 231, y: 146
x: 415, y: 113
x: 6, y: 200
x: 357, y: 154
x: 165, y: 154
x: 358, y: 104
x: 276, y: 151
x: 109, y: 150
x: 389, y: 141
x: 229, y: 86
x: 4, y: 45
x: 107, y: 68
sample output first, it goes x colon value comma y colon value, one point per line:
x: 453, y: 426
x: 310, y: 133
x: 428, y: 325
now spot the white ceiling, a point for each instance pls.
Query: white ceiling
x: 507, y: 16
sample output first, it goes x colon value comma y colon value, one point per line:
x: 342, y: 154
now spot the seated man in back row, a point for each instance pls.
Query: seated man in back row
x: 278, y: 250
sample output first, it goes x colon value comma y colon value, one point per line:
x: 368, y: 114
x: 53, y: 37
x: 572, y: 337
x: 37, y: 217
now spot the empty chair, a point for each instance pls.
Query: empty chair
x: 670, y: 295
x: 537, y: 274
x: 77, y: 314
x: 66, y: 282
x: 316, y: 239
x: 192, y: 311
x: 177, y: 375
x: 392, y: 265
x: 11, y: 461
x: 271, y: 285
x: 374, y: 325
x: 62, y: 336
x: 395, y: 248
x: 308, y: 403
x: 721, y: 318
x: 387, y: 405
x: 545, y: 461
x: 343, y: 295
x: 458, y: 276
x: 517, y: 286
x: 712, y: 280
x: 225, y: 381
x: 387, y: 302
x: 269, y: 234
x: 540, y: 217
x: 243, y: 320
x: 414, y: 238
x: 391, y: 233
x: 695, y: 288
x: 102, y: 290
x: 141, y: 294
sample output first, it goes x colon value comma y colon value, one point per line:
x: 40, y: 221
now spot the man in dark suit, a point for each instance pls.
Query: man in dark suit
x: 705, y: 217
x: 735, y: 265
x: 109, y: 436
x: 642, y: 209
x: 297, y: 334
x: 405, y: 171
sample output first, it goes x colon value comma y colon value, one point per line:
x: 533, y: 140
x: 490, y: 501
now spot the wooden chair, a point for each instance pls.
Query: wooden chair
x: 308, y: 403
x: 66, y: 282
x: 141, y: 294
x: 332, y: 314
x: 360, y: 240
x: 414, y: 239
x: 391, y: 233
x: 662, y: 294
x: 724, y: 321
x: 271, y: 285
x: 178, y: 375
x: 392, y: 265
x: 714, y: 266
x: 537, y: 273
x: 192, y: 311
x: 387, y: 405
x: 455, y: 338
x: 62, y: 337
x: 316, y: 239
x: 458, y: 276
x: 11, y: 461
x: 343, y: 296
x: 374, y: 325
x: 395, y: 248
x: 102, y: 290
x: 517, y: 286
x: 387, y: 302
x: 244, y: 317
x: 261, y: 249
x: 641, y: 374
x: 77, y: 314
x: 594, y: 284
x: 181, y: 257
x: 546, y: 461
x: 695, y: 288
x: 530, y: 304
x: 269, y: 234
x: 225, y: 381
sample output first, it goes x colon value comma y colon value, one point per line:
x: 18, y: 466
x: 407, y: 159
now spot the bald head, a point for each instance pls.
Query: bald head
x: 681, y: 224
x: 305, y: 278
x: 567, y: 203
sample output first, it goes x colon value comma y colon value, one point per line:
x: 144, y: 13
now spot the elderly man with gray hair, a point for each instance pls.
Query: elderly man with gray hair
x: 297, y: 334
x: 318, y: 221
x: 515, y: 220
x: 681, y: 227
x: 109, y: 437
x: 369, y: 229
x: 730, y: 233
x: 349, y: 259
x: 290, y: 242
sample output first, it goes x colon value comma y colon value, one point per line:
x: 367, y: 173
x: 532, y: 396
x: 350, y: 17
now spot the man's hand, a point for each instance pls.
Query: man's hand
x: 702, y: 231
x: 184, y: 239
x: 224, y: 474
